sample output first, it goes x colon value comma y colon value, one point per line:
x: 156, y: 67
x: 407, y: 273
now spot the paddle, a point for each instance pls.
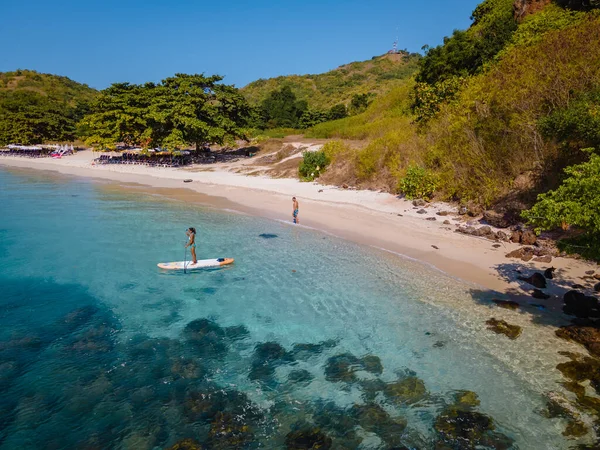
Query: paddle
x: 184, y: 258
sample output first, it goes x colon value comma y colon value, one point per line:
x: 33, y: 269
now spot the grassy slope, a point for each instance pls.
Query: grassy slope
x: 378, y: 75
x: 54, y: 86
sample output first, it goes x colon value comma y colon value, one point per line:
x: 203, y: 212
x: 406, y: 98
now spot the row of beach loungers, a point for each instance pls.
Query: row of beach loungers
x: 127, y: 158
x: 41, y: 153
x: 169, y: 161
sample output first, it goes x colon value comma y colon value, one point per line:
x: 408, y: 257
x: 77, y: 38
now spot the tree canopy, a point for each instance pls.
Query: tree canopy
x: 465, y: 52
x: 184, y: 110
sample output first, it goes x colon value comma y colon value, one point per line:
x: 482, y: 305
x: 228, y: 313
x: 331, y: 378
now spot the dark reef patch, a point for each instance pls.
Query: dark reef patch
x: 503, y: 327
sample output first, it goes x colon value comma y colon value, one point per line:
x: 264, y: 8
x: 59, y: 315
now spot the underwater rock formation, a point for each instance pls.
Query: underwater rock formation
x: 343, y: 367
x: 186, y: 444
x: 228, y: 432
x: 372, y: 364
x: 300, y: 376
x: 306, y: 351
x: 506, y: 304
x: 211, y: 340
x: 307, y: 437
x: 557, y: 406
x: 407, y: 390
x: 267, y: 356
x: 502, y: 327
x: 466, y: 399
x: 584, y: 333
x: 460, y: 426
x: 582, y: 368
x: 374, y: 419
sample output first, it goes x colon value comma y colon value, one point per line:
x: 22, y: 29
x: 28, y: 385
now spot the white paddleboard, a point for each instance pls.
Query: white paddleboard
x: 201, y: 264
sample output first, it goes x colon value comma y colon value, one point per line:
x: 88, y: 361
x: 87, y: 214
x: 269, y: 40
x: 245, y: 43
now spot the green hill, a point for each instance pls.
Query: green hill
x: 378, y: 75
x: 37, y: 107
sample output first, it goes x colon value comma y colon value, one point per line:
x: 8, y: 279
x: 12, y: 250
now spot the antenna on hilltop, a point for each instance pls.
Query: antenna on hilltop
x: 394, y: 49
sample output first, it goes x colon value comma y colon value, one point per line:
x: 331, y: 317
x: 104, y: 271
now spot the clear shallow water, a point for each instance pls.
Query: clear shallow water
x: 99, y: 349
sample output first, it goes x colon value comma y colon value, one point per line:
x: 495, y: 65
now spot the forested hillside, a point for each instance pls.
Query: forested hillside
x: 37, y: 107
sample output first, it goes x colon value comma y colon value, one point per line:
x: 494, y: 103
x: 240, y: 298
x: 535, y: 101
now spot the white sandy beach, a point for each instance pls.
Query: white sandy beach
x: 378, y: 219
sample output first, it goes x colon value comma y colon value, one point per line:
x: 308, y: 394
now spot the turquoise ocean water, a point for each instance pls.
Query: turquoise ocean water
x: 306, y: 338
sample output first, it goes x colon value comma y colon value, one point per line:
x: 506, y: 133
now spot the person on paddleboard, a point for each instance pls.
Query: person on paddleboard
x: 191, y: 234
x: 295, y: 210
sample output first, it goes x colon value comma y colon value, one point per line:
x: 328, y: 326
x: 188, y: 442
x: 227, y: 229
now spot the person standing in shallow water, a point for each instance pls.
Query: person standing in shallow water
x: 295, y: 210
x: 191, y: 234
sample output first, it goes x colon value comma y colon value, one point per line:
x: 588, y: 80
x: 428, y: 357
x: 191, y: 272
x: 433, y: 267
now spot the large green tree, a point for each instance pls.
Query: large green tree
x: 119, y: 114
x: 181, y: 111
x: 197, y: 110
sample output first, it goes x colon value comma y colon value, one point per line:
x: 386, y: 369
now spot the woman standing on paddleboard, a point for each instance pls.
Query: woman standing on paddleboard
x: 191, y: 233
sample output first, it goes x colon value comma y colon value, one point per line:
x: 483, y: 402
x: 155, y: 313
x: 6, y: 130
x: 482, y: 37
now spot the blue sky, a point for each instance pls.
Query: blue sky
x: 99, y: 42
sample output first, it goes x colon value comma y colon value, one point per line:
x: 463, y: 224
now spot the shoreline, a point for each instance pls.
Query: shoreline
x: 369, y: 218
